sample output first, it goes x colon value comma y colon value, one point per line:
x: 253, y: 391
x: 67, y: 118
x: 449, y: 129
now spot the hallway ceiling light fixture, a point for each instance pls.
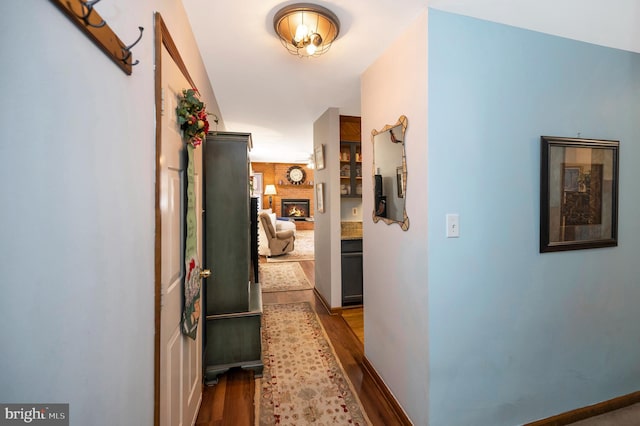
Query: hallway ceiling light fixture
x: 306, y: 29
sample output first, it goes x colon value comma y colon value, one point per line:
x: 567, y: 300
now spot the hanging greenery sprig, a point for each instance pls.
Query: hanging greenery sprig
x: 192, y: 117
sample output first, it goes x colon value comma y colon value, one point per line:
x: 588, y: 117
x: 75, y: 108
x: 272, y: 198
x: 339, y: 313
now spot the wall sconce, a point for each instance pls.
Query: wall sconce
x: 306, y: 29
x: 270, y: 190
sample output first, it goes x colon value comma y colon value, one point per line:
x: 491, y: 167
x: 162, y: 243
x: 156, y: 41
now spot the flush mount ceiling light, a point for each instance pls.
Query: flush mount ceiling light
x: 306, y: 29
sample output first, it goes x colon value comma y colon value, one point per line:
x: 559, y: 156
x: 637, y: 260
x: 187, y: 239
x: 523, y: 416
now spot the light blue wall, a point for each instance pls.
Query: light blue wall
x: 516, y: 335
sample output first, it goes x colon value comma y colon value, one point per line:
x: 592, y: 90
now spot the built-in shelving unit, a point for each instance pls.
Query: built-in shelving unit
x: 350, y: 157
x: 351, y: 175
x: 350, y: 170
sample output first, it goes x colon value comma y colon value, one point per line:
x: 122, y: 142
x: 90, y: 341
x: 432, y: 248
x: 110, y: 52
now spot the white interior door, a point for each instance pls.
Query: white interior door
x: 180, y: 356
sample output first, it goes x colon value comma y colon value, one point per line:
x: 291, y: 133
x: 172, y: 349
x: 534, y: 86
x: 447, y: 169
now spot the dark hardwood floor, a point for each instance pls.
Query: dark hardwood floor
x: 230, y: 402
x: 355, y: 320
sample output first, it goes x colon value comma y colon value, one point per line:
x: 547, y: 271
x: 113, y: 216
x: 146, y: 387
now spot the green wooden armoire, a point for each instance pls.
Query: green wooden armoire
x: 233, y: 302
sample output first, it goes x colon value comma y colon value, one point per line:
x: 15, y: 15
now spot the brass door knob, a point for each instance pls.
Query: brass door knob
x: 205, y: 273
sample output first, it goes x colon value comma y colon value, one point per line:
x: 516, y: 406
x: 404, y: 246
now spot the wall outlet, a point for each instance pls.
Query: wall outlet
x: 354, y: 211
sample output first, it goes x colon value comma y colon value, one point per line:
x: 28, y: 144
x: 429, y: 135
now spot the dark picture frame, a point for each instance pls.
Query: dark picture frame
x: 578, y: 193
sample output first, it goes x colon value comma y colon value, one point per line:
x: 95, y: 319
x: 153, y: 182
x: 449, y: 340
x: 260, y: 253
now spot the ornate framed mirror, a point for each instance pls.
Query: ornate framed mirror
x: 390, y: 174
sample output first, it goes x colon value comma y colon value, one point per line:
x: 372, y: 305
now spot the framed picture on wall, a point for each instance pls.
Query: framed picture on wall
x: 320, y: 197
x: 319, y: 157
x: 257, y: 185
x: 578, y: 193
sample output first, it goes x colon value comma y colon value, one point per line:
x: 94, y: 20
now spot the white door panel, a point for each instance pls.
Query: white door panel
x: 174, y: 363
x: 180, y: 356
x: 172, y: 232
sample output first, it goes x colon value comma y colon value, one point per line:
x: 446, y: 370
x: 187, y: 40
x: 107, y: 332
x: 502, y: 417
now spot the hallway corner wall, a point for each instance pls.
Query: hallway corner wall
x: 395, y: 261
x: 326, y: 131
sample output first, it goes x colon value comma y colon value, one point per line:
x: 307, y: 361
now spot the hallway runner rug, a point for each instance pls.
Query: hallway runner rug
x: 303, y: 381
x: 285, y: 276
x: 303, y: 248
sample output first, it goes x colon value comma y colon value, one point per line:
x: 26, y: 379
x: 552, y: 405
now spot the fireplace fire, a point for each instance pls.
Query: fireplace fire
x: 296, y: 209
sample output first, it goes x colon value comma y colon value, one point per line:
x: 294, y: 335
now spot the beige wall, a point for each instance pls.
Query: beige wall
x: 395, y: 283
x: 326, y: 131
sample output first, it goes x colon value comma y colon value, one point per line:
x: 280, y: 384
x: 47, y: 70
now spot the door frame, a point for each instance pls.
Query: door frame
x: 162, y: 38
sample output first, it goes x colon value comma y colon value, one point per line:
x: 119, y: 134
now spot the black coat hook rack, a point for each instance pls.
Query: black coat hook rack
x: 88, y: 6
x: 126, y: 51
x: 88, y: 20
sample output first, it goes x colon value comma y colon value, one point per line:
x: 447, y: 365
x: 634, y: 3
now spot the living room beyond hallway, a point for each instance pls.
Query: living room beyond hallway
x: 295, y: 193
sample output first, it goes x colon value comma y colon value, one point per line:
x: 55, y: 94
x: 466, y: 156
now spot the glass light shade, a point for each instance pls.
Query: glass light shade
x: 322, y: 28
x: 301, y: 32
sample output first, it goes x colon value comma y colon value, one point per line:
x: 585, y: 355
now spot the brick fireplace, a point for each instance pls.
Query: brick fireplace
x: 295, y: 208
x: 277, y: 173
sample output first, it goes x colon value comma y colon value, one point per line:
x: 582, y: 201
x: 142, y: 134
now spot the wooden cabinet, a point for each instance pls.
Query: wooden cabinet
x: 350, y: 128
x: 350, y: 170
x: 233, y: 301
x: 350, y: 157
x: 351, y: 272
x: 351, y: 174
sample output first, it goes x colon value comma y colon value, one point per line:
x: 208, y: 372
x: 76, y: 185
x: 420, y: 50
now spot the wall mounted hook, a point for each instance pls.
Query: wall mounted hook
x: 87, y: 19
x: 126, y: 51
x: 87, y: 9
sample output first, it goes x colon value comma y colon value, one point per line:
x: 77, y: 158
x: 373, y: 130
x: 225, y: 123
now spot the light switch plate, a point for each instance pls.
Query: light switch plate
x: 453, y: 225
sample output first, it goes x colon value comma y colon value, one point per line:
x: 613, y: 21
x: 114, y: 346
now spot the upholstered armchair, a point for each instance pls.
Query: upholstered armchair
x: 279, y: 242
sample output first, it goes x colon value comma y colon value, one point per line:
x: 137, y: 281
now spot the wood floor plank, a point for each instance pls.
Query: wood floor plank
x: 240, y: 393
x: 212, y: 405
x: 205, y: 415
x: 355, y: 319
x: 218, y: 399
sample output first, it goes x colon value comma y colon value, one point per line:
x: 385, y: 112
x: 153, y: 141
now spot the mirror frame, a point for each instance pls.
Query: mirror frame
x: 404, y: 224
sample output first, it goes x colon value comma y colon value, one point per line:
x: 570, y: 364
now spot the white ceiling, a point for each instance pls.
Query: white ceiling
x: 264, y: 90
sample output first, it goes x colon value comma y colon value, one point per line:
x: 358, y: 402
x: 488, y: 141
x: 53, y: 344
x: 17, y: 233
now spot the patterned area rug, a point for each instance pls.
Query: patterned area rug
x: 303, y: 381
x: 303, y: 249
x: 285, y: 276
